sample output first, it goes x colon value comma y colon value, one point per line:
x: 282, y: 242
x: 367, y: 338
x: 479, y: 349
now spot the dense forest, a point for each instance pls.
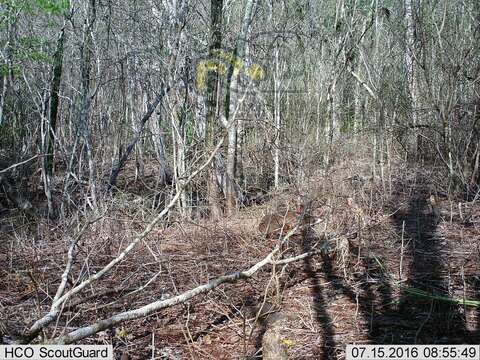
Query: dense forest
x: 246, y: 179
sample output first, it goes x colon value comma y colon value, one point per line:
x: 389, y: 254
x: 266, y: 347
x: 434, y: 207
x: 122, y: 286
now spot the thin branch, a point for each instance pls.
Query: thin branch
x: 151, y: 308
x: 56, y: 306
x: 307, y: 254
x: 146, y: 310
x: 364, y: 84
x: 71, y: 259
x: 20, y: 163
x: 150, y: 109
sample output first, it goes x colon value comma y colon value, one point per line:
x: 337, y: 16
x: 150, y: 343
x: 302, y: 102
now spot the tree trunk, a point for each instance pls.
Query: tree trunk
x: 277, y: 121
x: 232, y: 103
x: 52, y: 123
x: 86, y: 97
x: 7, y: 71
x: 150, y: 109
x: 411, y: 72
x: 2, y: 96
x: 212, y: 107
x: 159, y: 147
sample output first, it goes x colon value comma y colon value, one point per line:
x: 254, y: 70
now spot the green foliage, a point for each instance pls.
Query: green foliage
x: 28, y: 48
x: 13, y: 8
x: 32, y: 48
x: 300, y: 10
x: 3, y: 70
x: 52, y: 7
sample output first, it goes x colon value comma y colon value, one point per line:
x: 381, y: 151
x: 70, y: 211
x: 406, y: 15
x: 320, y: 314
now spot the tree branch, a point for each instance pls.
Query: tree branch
x: 56, y: 306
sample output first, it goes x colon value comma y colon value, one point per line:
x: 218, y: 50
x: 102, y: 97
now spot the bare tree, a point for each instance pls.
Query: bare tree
x: 213, y: 105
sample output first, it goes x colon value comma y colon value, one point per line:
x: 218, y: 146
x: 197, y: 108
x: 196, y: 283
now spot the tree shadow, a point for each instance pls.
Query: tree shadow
x: 429, y: 321
x: 410, y: 319
x: 413, y: 319
x: 320, y: 307
x: 370, y: 281
x: 365, y: 297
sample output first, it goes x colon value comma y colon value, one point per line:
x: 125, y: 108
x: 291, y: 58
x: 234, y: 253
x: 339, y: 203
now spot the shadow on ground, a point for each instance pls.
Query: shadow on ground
x: 403, y: 318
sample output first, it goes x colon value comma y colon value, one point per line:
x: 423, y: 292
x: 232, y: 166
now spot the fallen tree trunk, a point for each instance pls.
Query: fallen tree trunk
x: 153, y: 307
x: 162, y: 304
x: 61, y: 298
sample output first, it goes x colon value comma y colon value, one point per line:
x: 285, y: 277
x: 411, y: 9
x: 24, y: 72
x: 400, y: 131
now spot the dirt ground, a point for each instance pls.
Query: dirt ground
x: 388, y: 256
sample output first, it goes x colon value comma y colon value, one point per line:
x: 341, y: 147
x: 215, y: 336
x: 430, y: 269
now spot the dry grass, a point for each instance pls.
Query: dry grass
x: 353, y: 293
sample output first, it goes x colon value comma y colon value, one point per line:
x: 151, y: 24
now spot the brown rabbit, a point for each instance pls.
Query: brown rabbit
x: 272, y: 225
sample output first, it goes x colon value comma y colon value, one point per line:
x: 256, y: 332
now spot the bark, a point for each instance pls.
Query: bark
x: 52, y: 123
x: 2, y: 96
x: 231, y: 105
x: 150, y: 109
x: 7, y: 70
x: 213, y: 197
x: 277, y: 121
x: 57, y: 305
x: 272, y: 347
x: 54, y: 99
x: 87, y: 95
x: 179, y: 149
x: 162, y: 304
x: 156, y: 306
x: 411, y: 70
x: 159, y: 145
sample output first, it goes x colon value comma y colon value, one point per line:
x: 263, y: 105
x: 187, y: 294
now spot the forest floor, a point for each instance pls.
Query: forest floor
x: 387, y: 258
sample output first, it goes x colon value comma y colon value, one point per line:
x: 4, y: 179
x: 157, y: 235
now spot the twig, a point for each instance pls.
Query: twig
x: 20, y: 163
x: 401, y: 252
x: 55, y: 308
x: 148, y: 309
